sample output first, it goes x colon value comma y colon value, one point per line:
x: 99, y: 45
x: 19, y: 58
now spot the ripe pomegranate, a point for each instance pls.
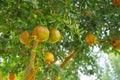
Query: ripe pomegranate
x: 54, y: 36
x: 24, y: 38
x: 40, y: 33
x: 116, y: 43
x: 11, y: 76
x: 91, y: 39
x: 116, y: 2
x: 49, y: 57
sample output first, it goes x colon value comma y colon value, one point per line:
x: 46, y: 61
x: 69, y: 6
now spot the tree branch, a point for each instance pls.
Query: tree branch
x: 68, y: 58
x: 31, y: 74
x: 31, y: 70
x: 33, y: 54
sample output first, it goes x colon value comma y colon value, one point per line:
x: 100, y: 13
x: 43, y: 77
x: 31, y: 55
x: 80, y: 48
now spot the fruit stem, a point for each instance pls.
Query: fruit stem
x: 33, y: 54
x: 68, y: 58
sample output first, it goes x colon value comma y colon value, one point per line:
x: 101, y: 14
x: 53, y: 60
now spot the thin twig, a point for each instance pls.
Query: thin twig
x: 106, y: 42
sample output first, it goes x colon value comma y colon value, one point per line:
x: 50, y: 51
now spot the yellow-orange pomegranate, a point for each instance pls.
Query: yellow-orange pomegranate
x: 40, y: 33
x: 116, y: 2
x: 91, y: 39
x: 116, y: 43
x: 24, y: 38
x: 49, y: 57
x: 11, y: 76
x: 54, y: 36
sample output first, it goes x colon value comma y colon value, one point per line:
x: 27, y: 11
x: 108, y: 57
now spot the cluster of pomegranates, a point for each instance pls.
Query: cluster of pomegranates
x: 40, y: 34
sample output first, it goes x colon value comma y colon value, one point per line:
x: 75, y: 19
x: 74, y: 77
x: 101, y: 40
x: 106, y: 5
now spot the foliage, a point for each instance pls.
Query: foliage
x: 73, y: 18
x: 115, y: 61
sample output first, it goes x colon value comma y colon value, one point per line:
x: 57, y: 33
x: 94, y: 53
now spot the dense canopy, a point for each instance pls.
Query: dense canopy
x: 74, y: 19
